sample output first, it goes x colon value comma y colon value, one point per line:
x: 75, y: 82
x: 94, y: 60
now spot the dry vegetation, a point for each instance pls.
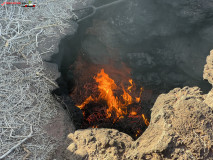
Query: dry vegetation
x: 27, y: 36
x: 25, y: 100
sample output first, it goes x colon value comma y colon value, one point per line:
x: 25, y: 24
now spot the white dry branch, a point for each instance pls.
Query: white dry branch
x: 18, y: 144
x: 25, y: 99
x: 94, y: 9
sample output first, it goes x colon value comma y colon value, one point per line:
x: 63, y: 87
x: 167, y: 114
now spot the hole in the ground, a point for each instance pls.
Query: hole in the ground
x: 125, y: 47
x: 109, y: 98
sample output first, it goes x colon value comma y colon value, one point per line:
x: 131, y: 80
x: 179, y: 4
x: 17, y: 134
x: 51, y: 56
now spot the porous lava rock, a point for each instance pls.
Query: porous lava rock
x: 208, y: 75
x: 181, y: 127
x: 98, y: 144
x: 208, y: 69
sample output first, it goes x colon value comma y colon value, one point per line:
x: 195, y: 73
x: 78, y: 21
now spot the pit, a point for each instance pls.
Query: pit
x: 123, y: 56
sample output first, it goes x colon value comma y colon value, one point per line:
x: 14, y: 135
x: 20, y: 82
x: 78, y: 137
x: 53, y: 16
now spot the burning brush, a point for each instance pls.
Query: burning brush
x: 114, y: 107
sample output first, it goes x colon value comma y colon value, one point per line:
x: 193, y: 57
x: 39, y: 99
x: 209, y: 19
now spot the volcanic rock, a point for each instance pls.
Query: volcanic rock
x: 208, y: 75
x: 208, y: 69
x: 98, y: 143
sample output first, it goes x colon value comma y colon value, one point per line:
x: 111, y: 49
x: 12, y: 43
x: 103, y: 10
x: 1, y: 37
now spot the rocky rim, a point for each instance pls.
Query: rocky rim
x: 181, y: 127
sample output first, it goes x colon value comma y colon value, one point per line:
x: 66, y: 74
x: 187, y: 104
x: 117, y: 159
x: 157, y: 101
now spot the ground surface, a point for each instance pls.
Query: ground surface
x: 32, y: 126
x: 181, y: 127
x: 31, y: 121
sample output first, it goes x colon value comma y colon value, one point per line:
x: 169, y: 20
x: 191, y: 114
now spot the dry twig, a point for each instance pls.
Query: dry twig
x: 18, y: 144
x: 25, y: 98
x: 94, y: 9
x: 28, y: 152
x: 49, y: 80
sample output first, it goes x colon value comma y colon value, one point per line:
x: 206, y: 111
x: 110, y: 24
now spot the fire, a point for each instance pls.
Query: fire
x: 137, y: 99
x: 115, y: 104
x: 133, y: 113
x: 145, y: 120
x: 138, y: 133
x: 130, y: 87
x: 106, y: 86
x: 87, y: 101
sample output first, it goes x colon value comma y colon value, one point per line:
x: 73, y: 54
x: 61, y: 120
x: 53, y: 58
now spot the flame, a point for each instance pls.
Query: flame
x: 145, y: 120
x: 106, y: 86
x: 87, y: 101
x: 137, y: 99
x: 133, y: 113
x: 127, y: 98
x: 138, y: 132
x: 130, y: 87
x: 117, y: 106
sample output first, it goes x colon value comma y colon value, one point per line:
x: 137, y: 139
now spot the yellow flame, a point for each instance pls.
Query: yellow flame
x: 106, y: 87
x: 145, y: 120
x: 133, y: 113
x: 87, y: 101
x: 130, y: 87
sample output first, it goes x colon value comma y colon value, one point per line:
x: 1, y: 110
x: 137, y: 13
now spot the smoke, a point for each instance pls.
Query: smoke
x: 165, y: 43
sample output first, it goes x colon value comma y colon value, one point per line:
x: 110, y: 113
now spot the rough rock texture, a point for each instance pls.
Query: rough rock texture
x: 208, y: 75
x: 180, y: 123
x: 209, y: 99
x: 99, y: 144
x: 208, y: 69
x: 181, y: 127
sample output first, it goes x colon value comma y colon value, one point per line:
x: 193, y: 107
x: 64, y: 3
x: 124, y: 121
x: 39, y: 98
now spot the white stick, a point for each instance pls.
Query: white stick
x: 18, y: 144
x: 37, y: 37
x: 94, y: 9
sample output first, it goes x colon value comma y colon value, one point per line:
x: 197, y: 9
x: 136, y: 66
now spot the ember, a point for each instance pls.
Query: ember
x: 113, y: 106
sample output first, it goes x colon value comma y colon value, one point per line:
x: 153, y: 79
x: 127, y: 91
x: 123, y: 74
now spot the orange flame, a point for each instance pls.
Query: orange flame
x: 133, y: 113
x: 130, y: 87
x: 145, y: 120
x: 137, y: 99
x: 106, y: 87
x: 138, y: 133
x: 87, y: 101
